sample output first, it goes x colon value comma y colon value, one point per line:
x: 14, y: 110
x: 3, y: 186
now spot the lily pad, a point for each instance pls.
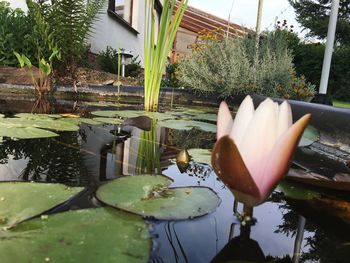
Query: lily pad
x: 133, y: 113
x: 89, y: 235
x: 37, y: 115
x: 115, y: 113
x: 200, y: 155
x: 149, y: 196
x: 188, y: 125
x: 310, y: 135
x: 22, y: 200
x: 298, y: 192
x: 77, y: 121
x: 25, y: 133
x: 205, y: 116
x: 113, y: 121
x: 40, y: 122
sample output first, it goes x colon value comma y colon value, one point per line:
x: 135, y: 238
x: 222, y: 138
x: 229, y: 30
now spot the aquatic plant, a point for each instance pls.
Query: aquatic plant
x: 156, y: 54
x: 253, y: 152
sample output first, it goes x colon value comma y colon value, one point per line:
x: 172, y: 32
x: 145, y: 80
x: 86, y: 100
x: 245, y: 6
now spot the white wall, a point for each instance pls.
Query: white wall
x: 109, y: 32
x: 18, y: 4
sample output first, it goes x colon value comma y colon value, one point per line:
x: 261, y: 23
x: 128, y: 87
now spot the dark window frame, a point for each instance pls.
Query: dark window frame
x: 128, y: 25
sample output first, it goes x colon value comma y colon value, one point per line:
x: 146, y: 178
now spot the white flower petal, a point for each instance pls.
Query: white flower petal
x: 242, y: 119
x: 225, y: 121
x: 259, y: 139
x: 284, y: 118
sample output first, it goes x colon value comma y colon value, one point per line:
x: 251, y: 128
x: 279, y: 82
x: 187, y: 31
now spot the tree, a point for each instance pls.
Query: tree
x: 314, y: 15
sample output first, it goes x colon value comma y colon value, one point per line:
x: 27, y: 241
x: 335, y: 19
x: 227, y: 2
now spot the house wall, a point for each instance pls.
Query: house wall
x: 107, y: 31
x: 183, y: 41
x: 18, y: 4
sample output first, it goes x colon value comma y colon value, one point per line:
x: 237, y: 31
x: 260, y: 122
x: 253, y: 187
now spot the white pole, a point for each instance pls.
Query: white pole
x: 329, y: 47
x: 258, y: 21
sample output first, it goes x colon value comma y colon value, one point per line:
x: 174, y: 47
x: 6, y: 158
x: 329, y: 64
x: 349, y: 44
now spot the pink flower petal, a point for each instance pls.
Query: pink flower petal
x: 242, y: 119
x: 280, y: 157
x: 285, y: 119
x: 225, y: 121
x: 230, y: 168
x: 259, y: 139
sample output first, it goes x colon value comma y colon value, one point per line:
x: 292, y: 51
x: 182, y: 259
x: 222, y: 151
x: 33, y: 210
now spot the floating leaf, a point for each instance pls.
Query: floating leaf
x: 40, y: 122
x: 187, y: 125
x: 200, y: 155
x: 133, y: 113
x: 113, y: 121
x: 310, y: 135
x: 295, y: 191
x: 149, y: 196
x: 89, y: 235
x: 114, y: 113
x: 77, y: 121
x: 36, y: 115
x: 23, y: 200
x: 24, y: 133
x: 205, y: 117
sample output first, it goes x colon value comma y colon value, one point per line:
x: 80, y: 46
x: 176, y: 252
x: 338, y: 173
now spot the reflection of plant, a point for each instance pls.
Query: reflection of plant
x: 184, y: 139
x: 47, y: 159
x: 156, y: 57
x: 148, y: 155
x: 324, y: 246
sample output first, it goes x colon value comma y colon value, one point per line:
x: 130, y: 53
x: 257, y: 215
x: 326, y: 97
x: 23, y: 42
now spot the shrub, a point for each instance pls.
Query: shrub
x: 230, y: 67
x: 108, y: 61
x: 16, y: 34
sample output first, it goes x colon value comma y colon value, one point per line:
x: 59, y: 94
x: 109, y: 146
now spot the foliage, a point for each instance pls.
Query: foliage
x: 314, y: 15
x: 308, y: 59
x: 156, y: 54
x: 108, y: 61
x: 16, y: 34
x: 171, y: 77
x: 229, y: 67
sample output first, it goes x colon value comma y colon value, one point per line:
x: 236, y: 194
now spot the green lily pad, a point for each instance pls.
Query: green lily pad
x: 22, y: 200
x: 200, y: 155
x: 77, y: 121
x: 89, y: 235
x: 149, y: 196
x: 298, y: 192
x: 310, y: 135
x: 37, y: 115
x: 115, y: 113
x: 39, y: 122
x: 113, y: 121
x: 133, y: 113
x: 188, y: 125
x: 205, y: 116
x: 24, y: 133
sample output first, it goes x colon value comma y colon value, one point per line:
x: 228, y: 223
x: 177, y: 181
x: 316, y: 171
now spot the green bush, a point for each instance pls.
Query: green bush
x: 16, y: 34
x: 171, y: 77
x: 230, y: 67
x: 108, y: 61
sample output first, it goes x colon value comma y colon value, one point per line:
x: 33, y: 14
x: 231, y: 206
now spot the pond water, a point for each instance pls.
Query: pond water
x: 93, y: 155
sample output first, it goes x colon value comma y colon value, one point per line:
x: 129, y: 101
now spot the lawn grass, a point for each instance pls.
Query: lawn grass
x: 342, y: 104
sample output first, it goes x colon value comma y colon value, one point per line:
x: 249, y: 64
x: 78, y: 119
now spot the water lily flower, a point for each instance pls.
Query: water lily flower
x: 253, y: 152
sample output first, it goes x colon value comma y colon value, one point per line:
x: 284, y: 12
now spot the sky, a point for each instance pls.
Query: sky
x: 244, y: 12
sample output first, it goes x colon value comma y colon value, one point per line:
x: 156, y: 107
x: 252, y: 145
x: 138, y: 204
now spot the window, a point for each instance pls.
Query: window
x: 122, y: 8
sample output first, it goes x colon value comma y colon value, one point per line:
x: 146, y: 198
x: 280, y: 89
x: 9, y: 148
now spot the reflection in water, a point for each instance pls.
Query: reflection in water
x: 148, y: 155
x: 94, y: 154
